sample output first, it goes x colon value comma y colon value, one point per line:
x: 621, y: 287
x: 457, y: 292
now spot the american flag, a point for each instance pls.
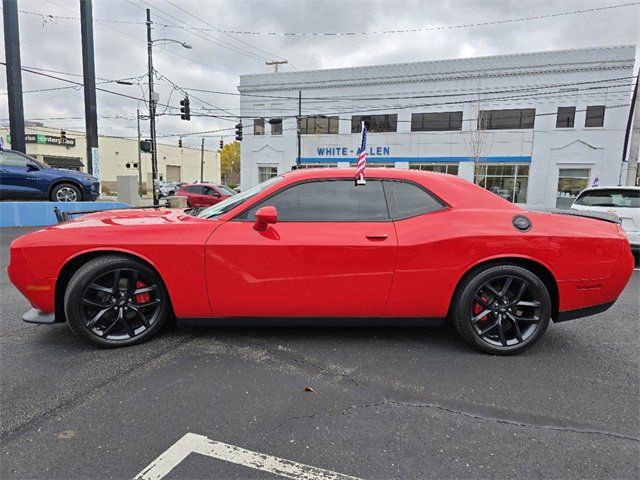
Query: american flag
x: 362, y: 154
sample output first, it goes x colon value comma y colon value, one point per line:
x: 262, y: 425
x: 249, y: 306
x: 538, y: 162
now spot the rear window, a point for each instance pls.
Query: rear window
x: 610, y: 197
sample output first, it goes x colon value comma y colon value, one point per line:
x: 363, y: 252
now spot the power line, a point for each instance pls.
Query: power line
x: 378, y: 32
x: 431, y: 29
x: 222, y: 31
x: 206, y: 36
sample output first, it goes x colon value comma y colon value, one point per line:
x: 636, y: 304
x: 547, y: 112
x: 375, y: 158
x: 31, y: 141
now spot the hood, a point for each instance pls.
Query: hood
x: 75, y: 174
x: 129, y: 217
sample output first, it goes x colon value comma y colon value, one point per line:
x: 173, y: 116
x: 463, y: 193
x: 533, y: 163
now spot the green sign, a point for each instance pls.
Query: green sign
x: 42, y: 139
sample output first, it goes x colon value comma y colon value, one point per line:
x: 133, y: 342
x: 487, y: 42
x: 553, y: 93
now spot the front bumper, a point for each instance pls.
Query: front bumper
x: 36, y: 316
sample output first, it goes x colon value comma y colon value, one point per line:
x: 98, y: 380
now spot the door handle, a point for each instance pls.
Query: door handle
x: 377, y: 236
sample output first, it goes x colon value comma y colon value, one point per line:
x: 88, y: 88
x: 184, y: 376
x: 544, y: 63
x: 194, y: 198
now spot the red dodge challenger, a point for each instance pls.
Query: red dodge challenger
x: 410, y: 247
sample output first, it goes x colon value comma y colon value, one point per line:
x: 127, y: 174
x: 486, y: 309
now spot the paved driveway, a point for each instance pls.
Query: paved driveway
x: 380, y: 403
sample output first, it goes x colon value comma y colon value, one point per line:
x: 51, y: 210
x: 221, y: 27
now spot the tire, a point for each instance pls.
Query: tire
x: 502, y: 309
x: 116, y: 301
x: 66, y: 192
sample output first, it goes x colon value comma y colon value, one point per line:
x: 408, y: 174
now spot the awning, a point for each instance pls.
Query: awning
x: 63, y: 162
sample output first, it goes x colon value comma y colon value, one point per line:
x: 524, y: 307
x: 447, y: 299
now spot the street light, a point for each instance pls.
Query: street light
x: 153, y: 98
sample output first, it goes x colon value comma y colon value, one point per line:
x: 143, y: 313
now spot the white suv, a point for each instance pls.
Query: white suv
x: 623, y: 201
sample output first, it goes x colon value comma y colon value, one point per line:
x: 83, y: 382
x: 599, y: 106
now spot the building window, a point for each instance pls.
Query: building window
x: 509, y: 180
x: 450, y: 168
x: 375, y: 123
x: 571, y: 181
x: 376, y: 165
x: 566, y: 117
x: 258, y: 126
x: 516, y: 118
x: 595, y: 116
x: 319, y: 125
x: 434, y: 122
x: 265, y: 173
x: 276, y: 126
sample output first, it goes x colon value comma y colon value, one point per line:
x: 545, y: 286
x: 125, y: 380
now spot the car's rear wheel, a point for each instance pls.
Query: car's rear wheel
x: 115, y: 301
x: 66, y: 192
x: 503, y: 309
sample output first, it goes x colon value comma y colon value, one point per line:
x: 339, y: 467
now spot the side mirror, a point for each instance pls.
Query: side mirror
x: 32, y: 167
x: 265, y: 216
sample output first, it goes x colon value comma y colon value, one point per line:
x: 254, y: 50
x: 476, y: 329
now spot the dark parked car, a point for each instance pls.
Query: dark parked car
x: 25, y: 178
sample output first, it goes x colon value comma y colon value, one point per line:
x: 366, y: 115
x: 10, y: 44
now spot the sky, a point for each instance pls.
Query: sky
x: 50, y: 39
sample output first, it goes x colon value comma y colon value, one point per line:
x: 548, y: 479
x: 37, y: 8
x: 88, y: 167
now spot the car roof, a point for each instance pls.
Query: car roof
x: 613, y: 187
x: 454, y: 190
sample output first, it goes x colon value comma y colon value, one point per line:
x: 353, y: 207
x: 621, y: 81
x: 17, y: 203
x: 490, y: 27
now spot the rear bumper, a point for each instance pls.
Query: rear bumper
x: 37, y: 316
x: 582, y: 312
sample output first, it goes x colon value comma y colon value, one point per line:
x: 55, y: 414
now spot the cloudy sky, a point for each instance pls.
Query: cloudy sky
x: 50, y: 39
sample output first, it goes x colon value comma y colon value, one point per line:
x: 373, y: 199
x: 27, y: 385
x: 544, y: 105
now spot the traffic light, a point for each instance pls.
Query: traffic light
x: 63, y: 135
x: 145, y: 146
x: 221, y: 144
x: 185, y: 111
x: 180, y: 142
x: 239, y: 132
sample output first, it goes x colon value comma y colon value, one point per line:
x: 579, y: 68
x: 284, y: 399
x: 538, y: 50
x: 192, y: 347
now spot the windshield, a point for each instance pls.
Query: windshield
x: 226, y: 190
x: 232, y: 202
x: 610, y: 197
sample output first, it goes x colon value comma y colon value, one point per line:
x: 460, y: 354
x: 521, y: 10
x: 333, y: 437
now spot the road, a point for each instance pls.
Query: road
x: 380, y: 403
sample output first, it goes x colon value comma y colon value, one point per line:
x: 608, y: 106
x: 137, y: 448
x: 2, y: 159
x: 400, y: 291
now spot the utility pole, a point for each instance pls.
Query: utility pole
x: 202, y: 161
x: 89, y: 80
x: 632, y: 165
x: 139, y: 155
x: 152, y: 112
x: 299, y: 120
x: 14, y: 74
x: 276, y: 64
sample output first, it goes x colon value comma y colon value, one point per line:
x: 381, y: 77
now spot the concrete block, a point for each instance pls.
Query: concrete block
x: 177, y: 202
x: 39, y: 214
x: 128, y: 189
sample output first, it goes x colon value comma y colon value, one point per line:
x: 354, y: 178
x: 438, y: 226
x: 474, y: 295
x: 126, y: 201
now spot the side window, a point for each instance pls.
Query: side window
x: 11, y: 159
x: 328, y: 201
x: 195, y: 189
x: 408, y: 200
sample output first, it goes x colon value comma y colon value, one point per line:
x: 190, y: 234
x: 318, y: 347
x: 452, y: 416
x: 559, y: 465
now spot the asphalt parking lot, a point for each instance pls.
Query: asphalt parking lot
x: 380, y: 403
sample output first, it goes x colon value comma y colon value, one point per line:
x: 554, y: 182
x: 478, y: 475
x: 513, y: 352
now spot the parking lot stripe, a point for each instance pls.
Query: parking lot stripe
x: 193, y: 443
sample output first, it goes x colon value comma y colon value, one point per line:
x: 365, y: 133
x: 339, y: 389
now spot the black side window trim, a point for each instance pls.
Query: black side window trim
x: 444, y: 205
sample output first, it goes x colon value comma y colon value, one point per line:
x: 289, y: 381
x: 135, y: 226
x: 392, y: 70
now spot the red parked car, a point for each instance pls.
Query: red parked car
x: 204, y: 194
x: 409, y: 246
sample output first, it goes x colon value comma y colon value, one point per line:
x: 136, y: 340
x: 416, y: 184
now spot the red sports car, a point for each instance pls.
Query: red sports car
x: 409, y: 246
x: 204, y: 194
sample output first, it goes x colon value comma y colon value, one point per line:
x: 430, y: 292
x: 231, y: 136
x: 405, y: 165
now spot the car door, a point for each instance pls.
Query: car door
x: 212, y: 196
x: 20, y: 177
x: 331, y: 253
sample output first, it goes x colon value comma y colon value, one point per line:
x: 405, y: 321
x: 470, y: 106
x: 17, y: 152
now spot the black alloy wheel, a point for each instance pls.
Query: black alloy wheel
x: 115, y: 301
x: 504, y: 309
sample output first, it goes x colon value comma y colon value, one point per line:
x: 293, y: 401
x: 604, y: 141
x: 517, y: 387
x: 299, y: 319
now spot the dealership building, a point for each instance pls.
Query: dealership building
x: 535, y: 128
x: 118, y: 156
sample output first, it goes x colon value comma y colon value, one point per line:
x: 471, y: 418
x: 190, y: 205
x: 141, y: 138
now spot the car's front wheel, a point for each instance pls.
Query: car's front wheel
x: 115, y: 301
x: 502, y: 309
x: 66, y: 192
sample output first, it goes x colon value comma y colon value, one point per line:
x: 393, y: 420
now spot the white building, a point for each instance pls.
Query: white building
x: 535, y: 128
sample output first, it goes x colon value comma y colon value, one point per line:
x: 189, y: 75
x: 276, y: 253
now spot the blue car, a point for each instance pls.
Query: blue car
x: 24, y: 178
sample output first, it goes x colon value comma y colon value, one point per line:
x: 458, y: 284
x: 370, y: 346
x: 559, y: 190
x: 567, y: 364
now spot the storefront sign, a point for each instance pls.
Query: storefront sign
x: 43, y: 139
x: 350, y: 152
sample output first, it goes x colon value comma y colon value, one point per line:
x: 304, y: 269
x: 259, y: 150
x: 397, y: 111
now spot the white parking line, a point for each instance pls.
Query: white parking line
x: 192, y: 443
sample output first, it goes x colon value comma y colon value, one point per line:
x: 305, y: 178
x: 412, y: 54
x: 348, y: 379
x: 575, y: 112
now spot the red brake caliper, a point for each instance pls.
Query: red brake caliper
x: 478, y: 308
x: 142, y: 297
